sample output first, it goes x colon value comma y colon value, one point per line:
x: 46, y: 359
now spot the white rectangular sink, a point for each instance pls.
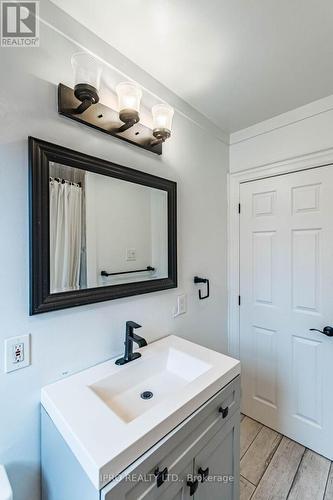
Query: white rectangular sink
x: 161, y: 377
x: 102, y: 412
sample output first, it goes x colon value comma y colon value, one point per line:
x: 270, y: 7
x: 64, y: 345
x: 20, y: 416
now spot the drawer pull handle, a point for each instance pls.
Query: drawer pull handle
x: 161, y: 476
x: 203, y: 473
x: 193, y: 485
x: 224, y: 411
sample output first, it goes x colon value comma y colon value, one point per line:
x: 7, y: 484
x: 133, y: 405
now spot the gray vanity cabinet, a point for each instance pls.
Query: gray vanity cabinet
x: 205, y: 444
x: 145, y: 487
x: 219, y: 459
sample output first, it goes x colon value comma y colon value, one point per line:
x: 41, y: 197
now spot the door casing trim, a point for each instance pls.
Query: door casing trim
x: 294, y: 164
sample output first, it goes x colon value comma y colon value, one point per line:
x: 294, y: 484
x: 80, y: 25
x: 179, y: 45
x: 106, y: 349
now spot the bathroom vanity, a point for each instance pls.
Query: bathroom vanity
x: 165, y: 426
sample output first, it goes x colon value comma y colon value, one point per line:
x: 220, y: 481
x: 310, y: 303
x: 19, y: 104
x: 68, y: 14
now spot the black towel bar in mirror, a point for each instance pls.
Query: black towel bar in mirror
x: 197, y: 280
x: 148, y: 268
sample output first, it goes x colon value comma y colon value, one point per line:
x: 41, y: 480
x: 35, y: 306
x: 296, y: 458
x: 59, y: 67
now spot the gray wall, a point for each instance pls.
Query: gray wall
x: 67, y: 341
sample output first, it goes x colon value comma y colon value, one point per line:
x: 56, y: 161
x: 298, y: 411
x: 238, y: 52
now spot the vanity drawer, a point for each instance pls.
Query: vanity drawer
x: 174, y: 454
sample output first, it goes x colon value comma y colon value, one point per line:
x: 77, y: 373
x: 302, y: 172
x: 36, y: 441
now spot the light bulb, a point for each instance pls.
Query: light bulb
x: 87, y: 70
x: 162, y: 120
x: 129, y: 97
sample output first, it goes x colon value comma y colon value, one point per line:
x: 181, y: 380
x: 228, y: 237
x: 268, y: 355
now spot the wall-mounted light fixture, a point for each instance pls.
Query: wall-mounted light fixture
x: 82, y: 104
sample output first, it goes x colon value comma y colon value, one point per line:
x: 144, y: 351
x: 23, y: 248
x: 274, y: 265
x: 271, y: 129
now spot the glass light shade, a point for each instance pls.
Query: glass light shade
x: 86, y: 69
x: 129, y: 96
x: 162, y: 116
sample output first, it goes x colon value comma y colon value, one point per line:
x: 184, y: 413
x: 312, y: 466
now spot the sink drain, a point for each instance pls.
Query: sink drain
x: 146, y: 395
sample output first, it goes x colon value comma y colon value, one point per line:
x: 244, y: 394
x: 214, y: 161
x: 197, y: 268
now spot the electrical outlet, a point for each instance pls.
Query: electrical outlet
x: 17, y: 353
x: 130, y: 254
x: 181, y: 306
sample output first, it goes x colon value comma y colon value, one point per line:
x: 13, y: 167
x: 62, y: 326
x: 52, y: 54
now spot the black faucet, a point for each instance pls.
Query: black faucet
x: 129, y: 339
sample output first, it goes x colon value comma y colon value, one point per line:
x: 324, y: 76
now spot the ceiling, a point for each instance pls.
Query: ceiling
x: 236, y: 61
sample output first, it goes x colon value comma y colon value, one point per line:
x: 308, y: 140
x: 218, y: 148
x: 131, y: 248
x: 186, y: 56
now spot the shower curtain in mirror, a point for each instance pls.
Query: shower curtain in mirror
x: 65, y: 235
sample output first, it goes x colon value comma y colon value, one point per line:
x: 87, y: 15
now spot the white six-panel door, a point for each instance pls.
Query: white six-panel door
x: 286, y: 287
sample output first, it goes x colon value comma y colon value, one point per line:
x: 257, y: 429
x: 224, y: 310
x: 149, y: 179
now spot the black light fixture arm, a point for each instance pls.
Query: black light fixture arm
x: 88, y: 96
x: 198, y: 280
x: 126, y: 126
x: 161, y: 135
x: 130, y: 117
x: 83, y: 107
x: 155, y: 142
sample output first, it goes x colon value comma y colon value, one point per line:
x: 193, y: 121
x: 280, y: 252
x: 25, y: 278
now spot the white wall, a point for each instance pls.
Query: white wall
x: 305, y: 130
x: 67, y: 341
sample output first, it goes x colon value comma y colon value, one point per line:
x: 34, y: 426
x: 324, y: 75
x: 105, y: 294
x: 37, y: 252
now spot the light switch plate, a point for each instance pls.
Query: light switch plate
x: 130, y: 254
x: 17, y: 353
x: 181, y: 306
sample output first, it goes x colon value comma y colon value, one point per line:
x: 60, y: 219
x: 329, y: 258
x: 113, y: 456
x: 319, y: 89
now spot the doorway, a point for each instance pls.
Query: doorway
x: 286, y: 289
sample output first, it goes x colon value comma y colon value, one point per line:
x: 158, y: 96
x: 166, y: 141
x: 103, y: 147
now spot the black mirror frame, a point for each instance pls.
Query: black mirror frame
x: 41, y: 300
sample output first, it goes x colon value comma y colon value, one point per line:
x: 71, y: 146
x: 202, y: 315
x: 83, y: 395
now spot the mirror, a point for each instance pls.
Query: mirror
x: 104, y: 231
x: 99, y: 231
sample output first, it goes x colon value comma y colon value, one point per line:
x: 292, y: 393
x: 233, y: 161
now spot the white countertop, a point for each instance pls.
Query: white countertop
x: 106, y: 440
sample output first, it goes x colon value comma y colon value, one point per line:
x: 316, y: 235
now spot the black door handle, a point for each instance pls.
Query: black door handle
x: 328, y: 330
x: 224, y: 411
x: 203, y: 473
x: 193, y: 485
x: 161, y: 476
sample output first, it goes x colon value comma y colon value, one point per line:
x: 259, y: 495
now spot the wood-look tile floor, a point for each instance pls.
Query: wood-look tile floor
x: 273, y: 467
